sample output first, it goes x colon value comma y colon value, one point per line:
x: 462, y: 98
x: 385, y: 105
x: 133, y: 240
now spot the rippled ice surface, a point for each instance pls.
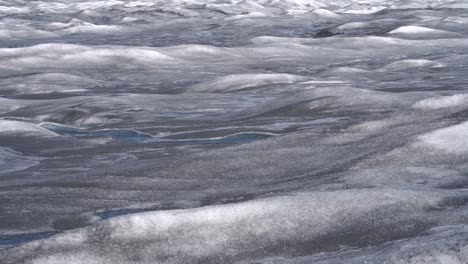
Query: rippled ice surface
x: 233, y: 131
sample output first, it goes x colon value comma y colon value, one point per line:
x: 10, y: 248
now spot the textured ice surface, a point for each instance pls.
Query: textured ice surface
x: 19, y: 127
x: 233, y: 131
x: 450, y: 139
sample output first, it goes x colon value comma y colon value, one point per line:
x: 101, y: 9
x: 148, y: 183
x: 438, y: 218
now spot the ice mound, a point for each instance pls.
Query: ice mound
x: 199, y: 52
x: 442, y: 102
x: 12, y: 9
x: 91, y: 28
x: 345, y: 70
x: 415, y: 30
x: 419, y: 32
x: 408, y: 64
x: 19, y: 127
x: 327, y: 14
x: 301, y: 223
x: 450, y: 139
x: 25, y: 34
x: 245, y: 81
x: 63, y: 56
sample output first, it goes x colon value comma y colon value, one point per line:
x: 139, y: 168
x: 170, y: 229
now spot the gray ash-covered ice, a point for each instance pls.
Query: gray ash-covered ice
x: 233, y: 131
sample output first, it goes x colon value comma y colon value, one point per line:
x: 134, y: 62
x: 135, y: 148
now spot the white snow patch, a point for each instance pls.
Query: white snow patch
x: 450, y: 139
x: 19, y: 127
x: 327, y: 13
x: 418, y: 30
x: 442, y: 102
x: 71, y: 56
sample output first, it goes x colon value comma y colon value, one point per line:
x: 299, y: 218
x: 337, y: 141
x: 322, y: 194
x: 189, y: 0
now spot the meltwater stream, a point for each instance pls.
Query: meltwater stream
x: 233, y: 131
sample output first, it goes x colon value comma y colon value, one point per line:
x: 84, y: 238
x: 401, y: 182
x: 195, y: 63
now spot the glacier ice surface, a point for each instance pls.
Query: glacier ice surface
x: 233, y: 131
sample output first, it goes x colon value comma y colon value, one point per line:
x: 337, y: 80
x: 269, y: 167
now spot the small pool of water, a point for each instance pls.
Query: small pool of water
x: 8, y: 241
x: 118, y: 134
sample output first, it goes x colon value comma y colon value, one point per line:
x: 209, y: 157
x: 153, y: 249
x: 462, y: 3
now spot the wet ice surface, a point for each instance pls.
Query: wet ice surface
x: 256, y: 131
